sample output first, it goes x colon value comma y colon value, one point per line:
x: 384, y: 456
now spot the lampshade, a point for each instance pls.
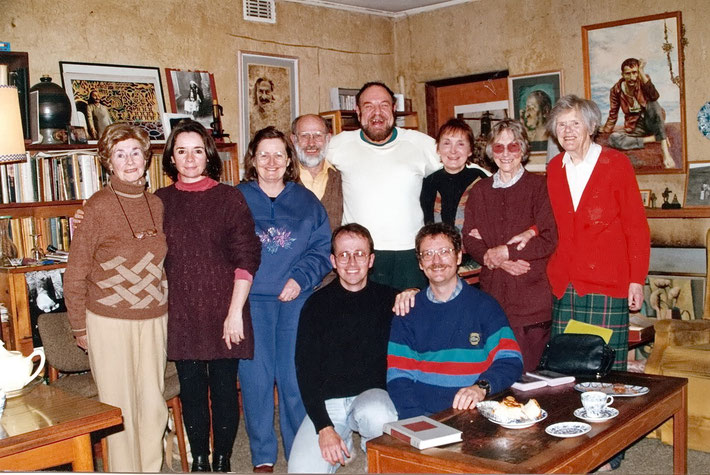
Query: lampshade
x: 12, y: 142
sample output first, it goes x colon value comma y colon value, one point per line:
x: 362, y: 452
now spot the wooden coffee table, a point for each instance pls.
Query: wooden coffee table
x: 48, y: 427
x: 490, y: 448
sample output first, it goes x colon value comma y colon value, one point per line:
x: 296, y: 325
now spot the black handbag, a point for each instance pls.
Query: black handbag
x: 579, y: 355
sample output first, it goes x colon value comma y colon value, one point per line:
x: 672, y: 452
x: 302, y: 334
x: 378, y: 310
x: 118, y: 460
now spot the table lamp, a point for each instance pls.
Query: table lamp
x: 12, y: 142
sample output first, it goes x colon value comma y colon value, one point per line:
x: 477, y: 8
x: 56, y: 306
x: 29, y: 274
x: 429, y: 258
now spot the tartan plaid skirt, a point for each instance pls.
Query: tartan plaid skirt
x: 596, y: 309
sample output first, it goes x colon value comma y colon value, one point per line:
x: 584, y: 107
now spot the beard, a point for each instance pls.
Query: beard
x: 377, y: 135
x: 309, y: 161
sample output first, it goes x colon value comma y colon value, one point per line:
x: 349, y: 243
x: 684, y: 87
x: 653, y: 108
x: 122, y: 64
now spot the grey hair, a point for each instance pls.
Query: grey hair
x: 591, y: 116
x: 520, y: 135
x: 294, y: 124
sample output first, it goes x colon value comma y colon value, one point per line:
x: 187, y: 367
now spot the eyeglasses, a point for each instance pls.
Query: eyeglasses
x: 573, y: 124
x: 308, y: 136
x: 263, y: 157
x: 513, y: 147
x: 444, y: 253
x: 145, y: 234
x: 359, y: 256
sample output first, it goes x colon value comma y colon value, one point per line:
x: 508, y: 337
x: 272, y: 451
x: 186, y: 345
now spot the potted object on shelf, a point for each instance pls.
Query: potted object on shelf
x: 54, y: 111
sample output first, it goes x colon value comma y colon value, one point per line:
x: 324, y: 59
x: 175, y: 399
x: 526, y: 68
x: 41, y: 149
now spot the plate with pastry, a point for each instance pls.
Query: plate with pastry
x: 512, y: 414
x: 613, y: 389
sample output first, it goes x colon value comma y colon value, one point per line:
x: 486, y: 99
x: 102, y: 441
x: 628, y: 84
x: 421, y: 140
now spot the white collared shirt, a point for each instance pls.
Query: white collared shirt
x: 578, y: 175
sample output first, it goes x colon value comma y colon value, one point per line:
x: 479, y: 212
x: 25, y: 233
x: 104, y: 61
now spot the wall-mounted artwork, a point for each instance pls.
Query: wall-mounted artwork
x: 101, y: 94
x: 192, y: 93
x: 268, y: 92
x: 633, y: 69
x: 531, y: 98
x: 697, y: 187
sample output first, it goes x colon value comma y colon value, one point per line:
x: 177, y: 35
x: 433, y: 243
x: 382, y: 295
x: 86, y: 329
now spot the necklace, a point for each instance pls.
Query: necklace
x: 141, y: 234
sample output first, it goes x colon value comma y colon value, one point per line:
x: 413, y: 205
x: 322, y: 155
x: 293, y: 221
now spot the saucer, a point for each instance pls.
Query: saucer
x: 568, y: 429
x: 607, y: 413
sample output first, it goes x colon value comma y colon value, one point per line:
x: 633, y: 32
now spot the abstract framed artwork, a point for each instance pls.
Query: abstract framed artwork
x: 192, y: 93
x: 101, y: 94
x: 633, y: 70
x: 531, y: 97
x: 697, y: 186
x: 268, y: 92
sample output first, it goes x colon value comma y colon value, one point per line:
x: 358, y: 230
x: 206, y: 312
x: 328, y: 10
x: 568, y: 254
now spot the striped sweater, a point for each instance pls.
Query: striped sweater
x: 441, y: 347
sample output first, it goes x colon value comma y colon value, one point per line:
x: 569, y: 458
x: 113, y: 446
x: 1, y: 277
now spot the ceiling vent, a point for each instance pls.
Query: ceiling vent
x: 260, y: 10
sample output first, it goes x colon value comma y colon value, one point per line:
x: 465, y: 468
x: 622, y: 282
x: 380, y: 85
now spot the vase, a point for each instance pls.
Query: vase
x: 54, y: 110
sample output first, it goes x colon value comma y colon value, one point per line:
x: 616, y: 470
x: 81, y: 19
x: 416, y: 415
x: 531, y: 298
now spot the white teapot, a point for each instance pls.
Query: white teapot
x: 16, y: 369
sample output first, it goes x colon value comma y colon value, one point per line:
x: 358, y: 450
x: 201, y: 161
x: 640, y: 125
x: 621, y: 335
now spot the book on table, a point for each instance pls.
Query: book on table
x: 422, y: 432
x: 550, y: 378
x: 528, y: 383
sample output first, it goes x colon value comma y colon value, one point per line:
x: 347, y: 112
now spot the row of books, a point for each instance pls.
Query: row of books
x: 56, y: 231
x: 342, y: 99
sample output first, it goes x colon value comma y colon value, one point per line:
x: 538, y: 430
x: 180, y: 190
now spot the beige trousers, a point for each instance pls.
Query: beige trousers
x: 128, y: 360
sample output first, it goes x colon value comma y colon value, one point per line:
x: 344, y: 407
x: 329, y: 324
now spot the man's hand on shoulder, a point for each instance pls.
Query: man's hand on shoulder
x: 332, y: 447
x: 404, y: 301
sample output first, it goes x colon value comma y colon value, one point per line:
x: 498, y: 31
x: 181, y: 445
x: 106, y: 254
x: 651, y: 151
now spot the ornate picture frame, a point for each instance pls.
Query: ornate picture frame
x: 697, y: 185
x: 268, y: 92
x: 647, y: 119
x: 192, y: 93
x: 132, y: 94
x: 531, y: 97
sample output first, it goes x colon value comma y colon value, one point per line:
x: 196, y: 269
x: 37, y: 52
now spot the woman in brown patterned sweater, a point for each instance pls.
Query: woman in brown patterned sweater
x: 116, y: 295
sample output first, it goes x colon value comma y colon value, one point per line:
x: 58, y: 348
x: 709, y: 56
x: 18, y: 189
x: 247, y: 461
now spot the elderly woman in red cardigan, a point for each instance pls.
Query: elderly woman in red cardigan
x: 599, y: 268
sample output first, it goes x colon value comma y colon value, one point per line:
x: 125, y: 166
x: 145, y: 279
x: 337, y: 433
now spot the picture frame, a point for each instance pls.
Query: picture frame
x: 171, y: 120
x: 132, y: 94
x: 192, y: 93
x: 656, y: 42
x: 268, y: 92
x: 481, y: 116
x: 685, y: 302
x: 646, y: 198
x: 77, y: 134
x: 697, y: 185
x: 535, y: 94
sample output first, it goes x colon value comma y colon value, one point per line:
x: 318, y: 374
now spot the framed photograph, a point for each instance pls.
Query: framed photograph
x: 697, y: 186
x: 77, y: 134
x: 531, y: 97
x: 646, y: 198
x: 192, y: 93
x: 102, y: 94
x: 45, y: 292
x: 674, y: 296
x: 171, y: 120
x: 633, y: 69
x: 268, y: 92
x: 481, y: 117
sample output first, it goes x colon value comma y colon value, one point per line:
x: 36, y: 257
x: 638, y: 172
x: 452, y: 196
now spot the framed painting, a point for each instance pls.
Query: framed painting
x: 268, y: 92
x: 481, y: 117
x: 192, y: 93
x: 633, y: 70
x: 101, y: 94
x: 697, y: 186
x: 531, y: 97
x: 171, y: 120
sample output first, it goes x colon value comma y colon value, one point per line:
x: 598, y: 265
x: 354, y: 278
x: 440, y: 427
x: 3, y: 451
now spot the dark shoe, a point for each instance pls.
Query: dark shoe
x: 201, y: 463
x: 220, y: 463
x: 263, y: 468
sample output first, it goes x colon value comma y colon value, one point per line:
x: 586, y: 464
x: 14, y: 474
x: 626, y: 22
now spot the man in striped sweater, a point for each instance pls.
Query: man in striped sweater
x: 455, y: 347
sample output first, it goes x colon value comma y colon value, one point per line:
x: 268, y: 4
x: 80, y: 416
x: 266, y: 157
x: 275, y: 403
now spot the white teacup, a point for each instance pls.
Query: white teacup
x: 595, y: 402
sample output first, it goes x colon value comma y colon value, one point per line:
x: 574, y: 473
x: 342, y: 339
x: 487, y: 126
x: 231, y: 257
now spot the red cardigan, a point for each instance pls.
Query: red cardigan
x: 604, y: 245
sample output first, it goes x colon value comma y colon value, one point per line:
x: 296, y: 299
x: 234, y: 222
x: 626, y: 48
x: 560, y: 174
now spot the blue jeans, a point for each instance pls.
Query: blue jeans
x: 365, y: 413
x: 275, y: 326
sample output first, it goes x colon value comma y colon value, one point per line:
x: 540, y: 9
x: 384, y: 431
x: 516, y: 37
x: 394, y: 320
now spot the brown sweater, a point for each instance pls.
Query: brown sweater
x: 110, y: 272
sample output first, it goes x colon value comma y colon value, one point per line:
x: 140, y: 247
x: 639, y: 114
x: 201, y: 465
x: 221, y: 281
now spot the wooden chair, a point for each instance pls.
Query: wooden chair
x: 68, y: 369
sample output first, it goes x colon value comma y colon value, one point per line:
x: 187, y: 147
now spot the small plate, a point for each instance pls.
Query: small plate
x: 616, y: 390
x: 25, y: 389
x: 607, y: 413
x: 486, y: 409
x: 568, y: 429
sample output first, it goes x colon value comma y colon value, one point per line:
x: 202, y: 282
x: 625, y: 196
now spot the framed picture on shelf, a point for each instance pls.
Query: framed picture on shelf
x: 633, y: 69
x: 171, y: 120
x: 78, y: 134
x: 697, y: 185
x: 531, y: 97
x: 192, y: 93
x: 268, y: 92
x: 646, y: 198
x: 101, y: 94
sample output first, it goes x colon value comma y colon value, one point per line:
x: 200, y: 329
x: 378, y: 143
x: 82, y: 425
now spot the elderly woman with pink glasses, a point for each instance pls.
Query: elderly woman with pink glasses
x: 509, y: 228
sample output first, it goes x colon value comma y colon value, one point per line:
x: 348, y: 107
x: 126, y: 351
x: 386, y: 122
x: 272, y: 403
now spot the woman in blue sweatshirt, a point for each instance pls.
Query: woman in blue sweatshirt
x: 295, y: 249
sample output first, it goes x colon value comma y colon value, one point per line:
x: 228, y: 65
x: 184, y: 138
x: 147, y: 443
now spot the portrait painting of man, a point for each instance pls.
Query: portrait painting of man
x: 635, y: 77
x: 531, y: 99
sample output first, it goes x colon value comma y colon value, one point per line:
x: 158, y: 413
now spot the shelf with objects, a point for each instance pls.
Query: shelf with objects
x: 39, y: 197
x: 340, y: 120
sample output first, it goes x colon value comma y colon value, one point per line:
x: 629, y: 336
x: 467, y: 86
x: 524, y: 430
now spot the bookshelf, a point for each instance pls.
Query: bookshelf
x: 38, y: 213
x: 340, y: 120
